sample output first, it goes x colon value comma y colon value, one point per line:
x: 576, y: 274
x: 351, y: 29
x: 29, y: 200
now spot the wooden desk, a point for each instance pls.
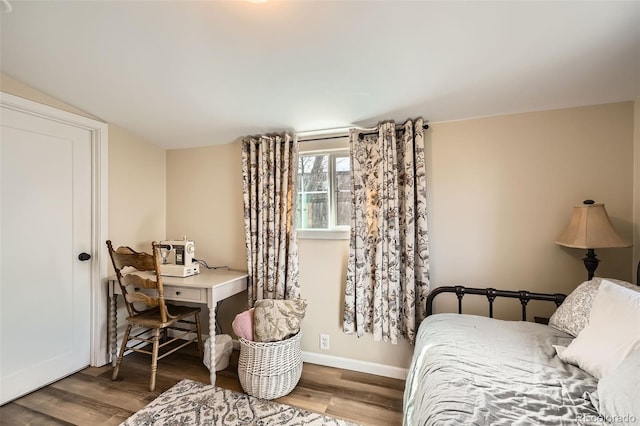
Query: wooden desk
x: 208, y: 287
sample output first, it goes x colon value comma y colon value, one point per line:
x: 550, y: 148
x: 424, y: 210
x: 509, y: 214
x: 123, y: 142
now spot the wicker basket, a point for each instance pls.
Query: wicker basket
x: 270, y: 370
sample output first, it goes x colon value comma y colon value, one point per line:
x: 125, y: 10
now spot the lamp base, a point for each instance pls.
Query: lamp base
x: 591, y: 263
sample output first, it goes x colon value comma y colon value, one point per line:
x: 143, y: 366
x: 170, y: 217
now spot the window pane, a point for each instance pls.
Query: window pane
x: 313, y: 173
x: 324, y: 185
x: 342, y: 164
x: 343, y: 209
x: 343, y: 174
x: 313, y: 211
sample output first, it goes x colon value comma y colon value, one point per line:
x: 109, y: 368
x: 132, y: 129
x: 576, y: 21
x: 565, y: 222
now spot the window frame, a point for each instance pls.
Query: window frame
x: 333, y: 232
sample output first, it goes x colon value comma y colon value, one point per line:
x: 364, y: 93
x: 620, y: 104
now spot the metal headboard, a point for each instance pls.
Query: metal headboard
x: 492, y: 293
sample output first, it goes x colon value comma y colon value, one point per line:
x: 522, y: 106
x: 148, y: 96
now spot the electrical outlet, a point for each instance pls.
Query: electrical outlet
x: 324, y: 342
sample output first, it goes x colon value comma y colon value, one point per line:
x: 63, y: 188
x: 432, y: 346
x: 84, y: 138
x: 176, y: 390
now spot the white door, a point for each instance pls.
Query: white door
x: 45, y: 223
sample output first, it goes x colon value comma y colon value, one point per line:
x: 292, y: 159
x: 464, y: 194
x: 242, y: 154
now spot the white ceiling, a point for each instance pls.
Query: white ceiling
x: 187, y: 73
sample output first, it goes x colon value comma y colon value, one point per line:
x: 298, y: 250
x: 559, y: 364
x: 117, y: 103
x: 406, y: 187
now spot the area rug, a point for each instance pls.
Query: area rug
x: 194, y: 403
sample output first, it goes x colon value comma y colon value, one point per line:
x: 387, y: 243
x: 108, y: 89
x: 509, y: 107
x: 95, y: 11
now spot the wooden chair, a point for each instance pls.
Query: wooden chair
x: 141, y: 285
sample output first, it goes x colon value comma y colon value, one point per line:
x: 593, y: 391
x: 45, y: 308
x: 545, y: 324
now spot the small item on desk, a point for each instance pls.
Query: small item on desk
x: 172, y: 270
x: 206, y: 265
x: 184, y: 264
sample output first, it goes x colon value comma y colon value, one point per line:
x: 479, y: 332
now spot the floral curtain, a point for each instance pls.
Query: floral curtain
x: 269, y: 171
x: 388, y: 266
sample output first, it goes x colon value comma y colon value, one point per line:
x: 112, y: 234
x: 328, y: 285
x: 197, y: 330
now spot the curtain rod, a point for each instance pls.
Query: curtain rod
x: 373, y: 132
x: 323, y: 138
x: 360, y: 136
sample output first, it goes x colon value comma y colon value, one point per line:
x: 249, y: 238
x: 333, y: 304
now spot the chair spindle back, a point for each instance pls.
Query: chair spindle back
x: 136, y: 271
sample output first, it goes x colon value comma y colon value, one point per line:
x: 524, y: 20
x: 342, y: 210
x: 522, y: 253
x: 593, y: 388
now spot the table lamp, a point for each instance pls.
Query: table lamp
x: 590, y: 228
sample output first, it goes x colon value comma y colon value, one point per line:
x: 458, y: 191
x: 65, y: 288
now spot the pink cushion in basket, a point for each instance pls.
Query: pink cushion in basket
x: 243, y: 324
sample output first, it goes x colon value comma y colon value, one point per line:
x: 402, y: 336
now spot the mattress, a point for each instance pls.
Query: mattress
x: 472, y: 370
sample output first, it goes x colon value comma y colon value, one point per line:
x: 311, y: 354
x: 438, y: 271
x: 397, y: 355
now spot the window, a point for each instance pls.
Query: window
x: 324, y: 203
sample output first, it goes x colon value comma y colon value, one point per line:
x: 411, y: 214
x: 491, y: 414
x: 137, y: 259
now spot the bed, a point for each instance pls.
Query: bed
x: 473, y: 370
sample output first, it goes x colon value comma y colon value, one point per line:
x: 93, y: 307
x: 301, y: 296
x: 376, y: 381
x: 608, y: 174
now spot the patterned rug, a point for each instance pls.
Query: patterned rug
x: 194, y: 403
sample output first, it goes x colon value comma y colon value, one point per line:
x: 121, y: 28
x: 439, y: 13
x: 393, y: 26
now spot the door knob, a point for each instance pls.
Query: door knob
x: 84, y: 256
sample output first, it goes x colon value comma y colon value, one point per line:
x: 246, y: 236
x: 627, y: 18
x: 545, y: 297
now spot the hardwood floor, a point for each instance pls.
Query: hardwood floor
x: 90, y: 397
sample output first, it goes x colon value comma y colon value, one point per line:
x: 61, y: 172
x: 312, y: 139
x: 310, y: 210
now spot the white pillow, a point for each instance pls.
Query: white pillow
x: 613, y: 331
x: 618, y: 395
x: 573, y: 314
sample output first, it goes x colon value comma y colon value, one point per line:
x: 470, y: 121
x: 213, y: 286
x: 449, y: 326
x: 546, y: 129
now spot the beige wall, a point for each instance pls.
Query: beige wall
x: 204, y: 203
x: 137, y: 190
x: 500, y: 191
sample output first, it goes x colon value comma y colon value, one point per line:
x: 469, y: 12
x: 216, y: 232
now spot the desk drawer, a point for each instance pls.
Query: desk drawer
x: 184, y: 294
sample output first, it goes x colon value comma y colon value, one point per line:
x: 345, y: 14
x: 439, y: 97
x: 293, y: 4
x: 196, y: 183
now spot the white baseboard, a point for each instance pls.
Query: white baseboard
x: 344, y: 363
x: 355, y: 365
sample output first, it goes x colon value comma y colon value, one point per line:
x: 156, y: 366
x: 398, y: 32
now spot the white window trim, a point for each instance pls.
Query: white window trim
x: 330, y: 146
x: 323, y: 234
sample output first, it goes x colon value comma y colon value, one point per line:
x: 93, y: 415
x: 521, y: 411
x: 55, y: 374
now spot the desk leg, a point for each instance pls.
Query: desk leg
x: 113, y: 336
x: 212, y: 341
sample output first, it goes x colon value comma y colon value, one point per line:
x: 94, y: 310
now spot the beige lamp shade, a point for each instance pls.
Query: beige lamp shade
x: 590, y: 228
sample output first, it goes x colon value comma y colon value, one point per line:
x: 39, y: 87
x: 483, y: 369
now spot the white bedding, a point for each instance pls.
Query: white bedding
x: 472, y: 370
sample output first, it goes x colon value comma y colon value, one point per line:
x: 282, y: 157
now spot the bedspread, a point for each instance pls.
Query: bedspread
x: 472, y: 370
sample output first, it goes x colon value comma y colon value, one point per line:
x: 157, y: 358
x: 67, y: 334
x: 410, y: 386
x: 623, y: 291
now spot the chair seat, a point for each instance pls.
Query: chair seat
x: 151, y: 318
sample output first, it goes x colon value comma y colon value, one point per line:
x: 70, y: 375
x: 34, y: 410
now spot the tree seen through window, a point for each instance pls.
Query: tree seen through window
x: 323, y: 191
